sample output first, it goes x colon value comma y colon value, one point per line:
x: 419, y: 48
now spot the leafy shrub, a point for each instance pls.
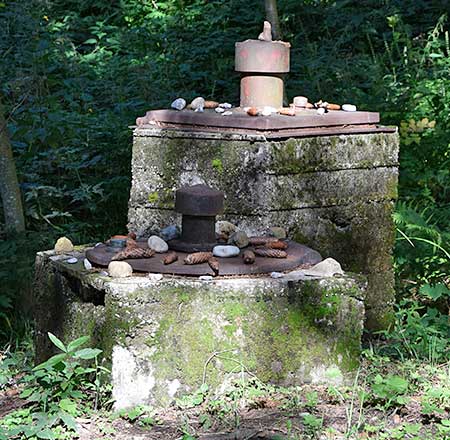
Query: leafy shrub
x: 58, y: 390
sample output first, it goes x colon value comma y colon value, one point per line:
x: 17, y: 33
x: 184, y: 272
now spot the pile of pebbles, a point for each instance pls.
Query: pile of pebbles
x: 199, y: 104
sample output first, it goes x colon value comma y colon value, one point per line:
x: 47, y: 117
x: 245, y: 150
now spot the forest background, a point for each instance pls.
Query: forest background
x: 75, y: 74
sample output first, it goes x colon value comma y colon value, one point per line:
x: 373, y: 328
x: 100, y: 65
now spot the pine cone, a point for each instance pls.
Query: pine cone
x: 248, y: 257
x: 276, y: 245
x: 214, y: 265
x: 170, y: 258
x: 270, y: 253
x: 131, y: 252
x: 198, y: 258
x: 261, y: 241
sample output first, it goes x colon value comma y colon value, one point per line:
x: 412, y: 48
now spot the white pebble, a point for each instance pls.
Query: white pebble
x: 103, y: 273
x: 120, y: 269
x: 226, y: 251
x: 300, y: 101
x: 72, y: 260
x: 225, y: 105
x: 178, y: 104
x: 206, y: 278
x: 157, y: 244
x: 155, y: 276
x: 321, y: 111
x: 227, y: 113
x: 349, y: 108
x: 87, y: 264
x: 277, y: 275
x: 98, y: 244
x: 219, y: 110
x: 198, y: 104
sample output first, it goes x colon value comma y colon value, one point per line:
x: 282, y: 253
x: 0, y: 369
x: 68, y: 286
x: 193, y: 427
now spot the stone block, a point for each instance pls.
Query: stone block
x: 333, y: 193
x: 165, y: 338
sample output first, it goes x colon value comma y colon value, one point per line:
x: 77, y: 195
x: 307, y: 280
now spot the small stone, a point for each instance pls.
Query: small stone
x: 87, y: 264
x: 211, y: 104
x: 276, y: 275
x: 225, y: 228
x: 155, y: 276
x: 227, y: 113
x: 349, y: 108
x: 205, y: 278
x: 98, y: 244
x: 309, y: 105
x: 253, y: 111
x: 178, y: 104
x: 267, y: 111
x: 300, y: 101
x: 239, y: 238
x: 72, y: 260
x: 120, y: 269
x: 157, y: 244
x: 198, y: 104
x: 226, y: 251
x: 103, y: 273
x: 333, y: 107
x: 326, y: 268
x: 63, y: 245
x: 287, y: 111
x: 170, y: 232
x: 321, y: 111
x: 225, y: 105
x: 219, y: 110
x: 277, y: 232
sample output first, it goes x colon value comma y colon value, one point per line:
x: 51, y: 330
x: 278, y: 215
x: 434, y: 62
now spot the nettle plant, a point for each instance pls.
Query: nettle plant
x: 58, y: 390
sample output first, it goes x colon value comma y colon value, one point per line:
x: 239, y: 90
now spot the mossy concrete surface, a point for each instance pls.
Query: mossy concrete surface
x: 333, y: 193
x: 165, y: 338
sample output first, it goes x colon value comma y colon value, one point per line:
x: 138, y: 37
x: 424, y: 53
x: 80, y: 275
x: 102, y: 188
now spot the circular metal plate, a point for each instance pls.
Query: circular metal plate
x: 297, y: 255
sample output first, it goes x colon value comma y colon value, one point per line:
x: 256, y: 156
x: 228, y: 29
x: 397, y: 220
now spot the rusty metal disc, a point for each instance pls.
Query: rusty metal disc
x: 298, y: 255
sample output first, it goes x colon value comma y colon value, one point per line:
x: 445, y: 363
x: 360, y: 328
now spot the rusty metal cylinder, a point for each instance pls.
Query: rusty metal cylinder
x: 262, y: 65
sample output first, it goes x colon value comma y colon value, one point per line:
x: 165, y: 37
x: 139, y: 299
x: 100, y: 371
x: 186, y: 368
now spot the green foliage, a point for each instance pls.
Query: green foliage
x: 419, y: 332
x: 390, y: 390
x: 57, y: 391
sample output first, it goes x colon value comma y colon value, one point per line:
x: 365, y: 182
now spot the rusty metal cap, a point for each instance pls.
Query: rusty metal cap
x: 262, y: 56
x: 200, y: 200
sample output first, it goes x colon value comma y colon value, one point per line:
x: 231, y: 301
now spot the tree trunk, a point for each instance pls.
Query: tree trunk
x: 9, y: 185
x: 272, y: 16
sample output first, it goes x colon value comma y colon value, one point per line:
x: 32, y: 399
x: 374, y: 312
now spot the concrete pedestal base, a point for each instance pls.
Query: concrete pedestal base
x: 334, y: 194
x: 165, y: 337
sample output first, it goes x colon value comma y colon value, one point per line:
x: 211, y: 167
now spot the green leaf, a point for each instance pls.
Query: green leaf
x: 69, y: 421
x: 57, y: 342
x: 435, y: 292
x: 69, y: 406
x: 90, y: 41
x: 45, y: 434
x: 87, y: 353
x: 51, y: 362
x: 77, y: 343
x: 26, y: 392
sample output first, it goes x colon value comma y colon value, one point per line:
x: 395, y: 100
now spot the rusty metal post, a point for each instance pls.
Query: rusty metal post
x: 262, y: 65
x: 199, y: 205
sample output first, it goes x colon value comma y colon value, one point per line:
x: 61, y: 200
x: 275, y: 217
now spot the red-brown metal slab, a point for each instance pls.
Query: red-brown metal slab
x: 241, y: 120
x: 298, y: 255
